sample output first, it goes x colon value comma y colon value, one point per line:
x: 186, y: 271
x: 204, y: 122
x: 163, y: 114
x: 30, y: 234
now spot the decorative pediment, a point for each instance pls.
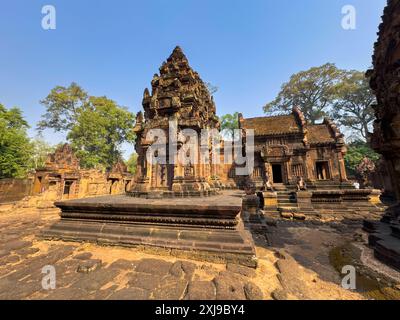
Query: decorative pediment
x: 273, y: 153
x: 62, y: 158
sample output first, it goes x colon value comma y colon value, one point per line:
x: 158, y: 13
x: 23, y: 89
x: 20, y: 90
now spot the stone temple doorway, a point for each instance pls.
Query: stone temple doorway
x: 277, y: 175
x: 322, y: 169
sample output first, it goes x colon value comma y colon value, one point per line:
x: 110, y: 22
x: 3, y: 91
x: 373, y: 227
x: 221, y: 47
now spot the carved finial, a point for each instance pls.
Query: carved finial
x: 139, y: 117
x: 146, y: 93
x: 177, y: 54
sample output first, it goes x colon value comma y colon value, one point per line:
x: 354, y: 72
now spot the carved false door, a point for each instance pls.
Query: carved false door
x: 159, y: 176
x: 170, y: 175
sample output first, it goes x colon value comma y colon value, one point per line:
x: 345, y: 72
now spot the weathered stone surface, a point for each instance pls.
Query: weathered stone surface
x: 171, y: 289
x: 87, y: 266
x: 177, y: 270
x: 130, y: 294
x: 27, y: 251
x: 253, y: 292
x: 145, y: 281
x: 16, y: 244
x: 154, y: 266
x: 83, y: 256
x: 201, y: 290
x: 279, y: 294
x: 104, y: 294
x: 183, y: 269
x: 123, y: 264
x: 288, y: 270
x: 10, y: 259
x: 4, y: 253
x: 67, y: 294
x: 229, y: 288
x: 385, y: 81
x: 95, y: 280
x: 66, y: 279
x: 21, y: 290
x: 242, y: 270
x: 23, y: 280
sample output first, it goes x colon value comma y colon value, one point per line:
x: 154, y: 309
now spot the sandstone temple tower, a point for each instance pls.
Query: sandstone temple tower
x: 178, y: 96
x: 385, y: 82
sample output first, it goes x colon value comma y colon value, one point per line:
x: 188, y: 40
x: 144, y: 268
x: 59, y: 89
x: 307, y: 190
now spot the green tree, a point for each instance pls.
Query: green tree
x: 63, y: 106
x: 353, y: 108
x: 313, y: 91
x: 99, y: 132
x: 132, y: 163
x: 356, y: 152
x: 40, y: 150
x: 15, y: 147
x: 229, y: 123
x: 96, y: 127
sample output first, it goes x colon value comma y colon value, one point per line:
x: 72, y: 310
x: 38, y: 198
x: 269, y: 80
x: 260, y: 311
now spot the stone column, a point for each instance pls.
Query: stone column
x: 310, y: 164
x: 341, y: 166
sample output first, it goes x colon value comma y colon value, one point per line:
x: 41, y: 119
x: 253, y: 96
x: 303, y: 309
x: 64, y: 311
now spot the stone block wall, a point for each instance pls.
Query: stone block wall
x: 14, y: 189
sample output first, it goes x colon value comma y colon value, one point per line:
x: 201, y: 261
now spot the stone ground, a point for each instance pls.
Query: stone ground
x: 297, y: 266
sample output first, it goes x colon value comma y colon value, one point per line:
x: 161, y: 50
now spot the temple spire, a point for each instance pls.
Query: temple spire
x: 177, y: 54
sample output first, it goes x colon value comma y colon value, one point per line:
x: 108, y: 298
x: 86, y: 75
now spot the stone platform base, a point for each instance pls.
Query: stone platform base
x: 172, y: 194
x: 383, y: 239
x: 208, y: 230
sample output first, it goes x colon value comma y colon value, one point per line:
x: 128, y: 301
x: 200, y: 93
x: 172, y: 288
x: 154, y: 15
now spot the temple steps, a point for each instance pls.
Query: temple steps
x: 384, y: 239
x: 286, y: 200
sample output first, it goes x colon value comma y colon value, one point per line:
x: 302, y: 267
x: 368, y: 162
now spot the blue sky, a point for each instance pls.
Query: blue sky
x: 247, y: 48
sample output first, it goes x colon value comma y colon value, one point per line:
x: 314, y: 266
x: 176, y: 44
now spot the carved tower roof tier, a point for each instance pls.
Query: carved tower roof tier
x: 179, y: 92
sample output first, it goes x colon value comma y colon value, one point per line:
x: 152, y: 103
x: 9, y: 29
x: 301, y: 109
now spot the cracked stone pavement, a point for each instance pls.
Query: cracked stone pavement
x: 89, y: 271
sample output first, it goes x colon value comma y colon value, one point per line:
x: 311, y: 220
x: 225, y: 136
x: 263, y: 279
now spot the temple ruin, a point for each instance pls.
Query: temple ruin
x: 178, y: 95
x: 299, y: 168
x: 385, y: 236
x: 146, y: 217
x: 298, y: 173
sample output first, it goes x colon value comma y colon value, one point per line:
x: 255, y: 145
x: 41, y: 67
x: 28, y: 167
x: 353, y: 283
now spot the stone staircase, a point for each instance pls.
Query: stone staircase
x: 288, y: 207
x: 287, y: 204
x: 287, y: 200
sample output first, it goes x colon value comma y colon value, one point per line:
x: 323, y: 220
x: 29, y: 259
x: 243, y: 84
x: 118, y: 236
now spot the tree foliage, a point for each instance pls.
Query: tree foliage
x: 356, y: 152
x: 15, y: 147
x: 40, y: 150
x: 325, y: 91
x: 313, y: 91
x: 63, y: 106
x: 96, y: 126
x: 132, y: 163
x: 353, y: 108
x: 229, y: 123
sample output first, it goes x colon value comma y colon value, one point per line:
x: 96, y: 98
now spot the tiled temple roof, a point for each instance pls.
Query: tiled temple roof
x: 293, y: 123
x: 319, y: 133
x: 264, y: 126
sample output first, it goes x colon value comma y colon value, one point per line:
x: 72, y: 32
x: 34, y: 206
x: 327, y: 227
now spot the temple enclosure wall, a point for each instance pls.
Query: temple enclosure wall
x: 14, y: 189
